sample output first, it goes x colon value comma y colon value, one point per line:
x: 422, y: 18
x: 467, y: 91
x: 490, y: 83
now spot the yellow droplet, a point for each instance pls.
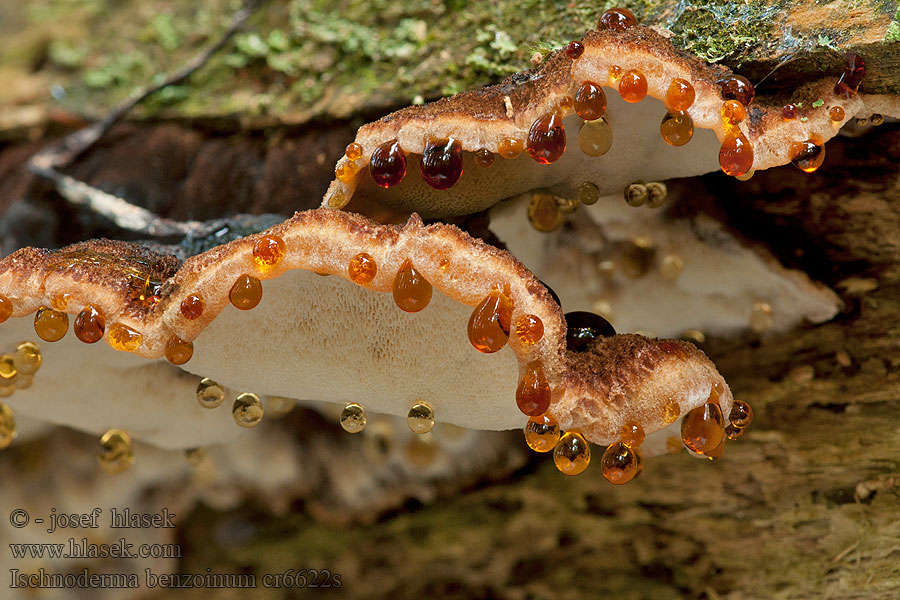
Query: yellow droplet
x: 362, y: 269
x: 247, y: 410
x: 542, y: 433
x: 116, y: 451
x: 124, y: 338
x: 572, y: 454
x: 353, y: 418
x: 7, y: 426
x: 543, y: 212
x: 620, y: 463
x: 632, y: 434
x: 209, y: 393
x: 420, y: 418
x: 7, y: 366
x: 595, y: 138
x: 529, y: 329
x: 268, y: 251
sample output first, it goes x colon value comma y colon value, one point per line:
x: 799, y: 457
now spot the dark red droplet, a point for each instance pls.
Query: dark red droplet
x: 590, y: 101
x: 583, y: 327
x: 547, y: 139
x: 617, y: 19
x: 388, y: 164
x: 851, y: 78
x: 442, y: 163
x: 789, y: 112
x: 737, y: 87
x: 574, y: 50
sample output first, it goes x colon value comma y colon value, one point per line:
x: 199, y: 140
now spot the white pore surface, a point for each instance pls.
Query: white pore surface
x: 714, y: 293
x: 323, y: 338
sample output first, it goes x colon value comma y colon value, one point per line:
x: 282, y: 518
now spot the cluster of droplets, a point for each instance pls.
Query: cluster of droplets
x: 736, y: 153
x: 705, y: 429
x: 247, y: 409
x: 17, y: 371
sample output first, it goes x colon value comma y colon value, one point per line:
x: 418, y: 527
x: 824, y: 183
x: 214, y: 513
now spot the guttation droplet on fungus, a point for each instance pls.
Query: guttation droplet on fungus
x: 27, y: 358
x: 529, y: 329
x: 124, y: 338
x: 808, y: 155
x: 590, y: 101
x: 6, y: 308
x: 209, y: 393
x: 353, y: 418
x: 489, y: 324
x: 736, y: 154
x: 387, y: 165
x: 703, y: 428
x: 680, y: 95
x: 617, y: 19
x: 542, y: 433
x: 89, y: 325
x: 268, y: 251
x: 191, y: 307
x: 633, y: 86
x: 420, y: 418
x: 50, y: 325
x: 116, y: 451
x: 595, y: 137
x: 246, y: 292
x: 677, y: 129
x: 620, y: 463
x: 412, y: 292
x: 442, y: 163
x: 362, y: 269
x: 247, y: 410
x: 547, y: 138
x: 533, y: 391
x: 178, y: 351
x: 572, y: 454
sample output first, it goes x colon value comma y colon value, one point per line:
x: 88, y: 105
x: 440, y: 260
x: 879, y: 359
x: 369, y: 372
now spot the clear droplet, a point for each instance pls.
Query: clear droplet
x: 27, y: 358
x: 209, y: 393
x: 595, y: 137
x: 353, y: 418
x: 420, y: 418
x: 247, y: 410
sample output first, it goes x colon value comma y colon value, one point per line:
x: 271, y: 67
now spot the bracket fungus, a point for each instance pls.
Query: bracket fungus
x: 428, y: 322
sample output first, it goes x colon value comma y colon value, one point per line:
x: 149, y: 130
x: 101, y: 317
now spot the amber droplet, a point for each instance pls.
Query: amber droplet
x: 6, y: 308
x: 490, y: 322
x: 572, y: 454
x: 533, y: 392
x: 620, y: 463
x: 736, y: 154
x: 583, y: 327
x: 7, y: 366
x: 632, y: 434
x: 547, y: 139
x: 595, y: 137
x: 179, y: 351
x: 808, y: 155
x: 246, y: 292
x: 703, y: 428
x: 420, y: 418
x: 192, y: 307
x: 529, y: 329
x: 543, y: 212
x: 574, y: 50
x: 836, y: 114
x: 510, y: 147
x: 441, y: 164
x: 617, y: 19
x: 388, y: 164
x: 353, y: 151
x: 733, y: 112
x: 412, y: 292
x: 484, y: 157
x: 116, y: 451
x: 680, y: 95
x: 615, y: 71
x: 590, y: 101
x: 789, y: 112
x: 353, y: 418
x: 209, y: 393
x: 588, y: 193
x: 542, y: 433
x: 677, y: 129
x: 7, y: 426
x: 362, y: 269
x: 247, y: 410
x: 741, y: 414
x: 851, y: 78
x: 89, y: 325
x: 671, y: 412
x: 27, y: 358
x: 124, y: 338
x: 346, y: 171
x: 268, y: 251
x: 732, y: 432
x: 633, y: 86
x: 50, y: 325
x: 737, y: 87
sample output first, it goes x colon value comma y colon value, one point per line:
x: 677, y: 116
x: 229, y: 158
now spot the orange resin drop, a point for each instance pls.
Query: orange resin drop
x: 124, y: 338
x: 441, y: 164
x: 353, y: 151
x: 490, y: 321
x: 733, y: 112
x: 179, y: 351
x: 484, y: 157
x: 836, y: 114
x: 736, y: 154
x: 590, y: 101
x: 542, y: 433
x: 510, y: 147
x: 617, y: 19
x: 533, y: 392
x: 412, y: 292
x: 572, y: 454
x: 362, y: 269
x: 680, y: 95
x: 615, y: 71
x: 268, y: 251
x: 89, y: 325
x: 50, y: 325
x: 633, y: 86
x: 529, y: 329
x: 677, y: 129
x: 703, y: 429
x: 388, y: 164
x: 246, y: 292
x: 620, y: 463
x: 737, y: 87
x: 191, y: 307
x: 632, y: 434
x: 808, y: 155
x: 346, y: 171
x: 6, y: 308
x: 741, y: 414
x: 547, y: 139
